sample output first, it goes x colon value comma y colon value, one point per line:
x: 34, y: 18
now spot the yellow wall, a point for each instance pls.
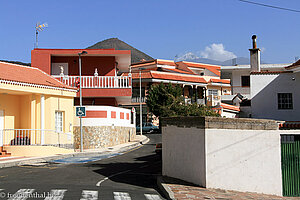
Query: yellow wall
x: 11, y: 106
x: 63, y: 104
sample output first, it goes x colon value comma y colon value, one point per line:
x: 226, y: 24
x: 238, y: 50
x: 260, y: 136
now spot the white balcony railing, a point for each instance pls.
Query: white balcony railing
x: 97, y: 81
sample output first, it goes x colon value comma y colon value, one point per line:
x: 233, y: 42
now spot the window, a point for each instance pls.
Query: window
x: 59, y: 121
x: 213, y: 92
x: 245, y: 81
x: 285, y: 101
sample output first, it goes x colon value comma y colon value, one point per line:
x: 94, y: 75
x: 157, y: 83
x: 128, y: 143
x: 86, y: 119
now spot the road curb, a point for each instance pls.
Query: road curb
x: 164, y: 188
x: 30, y: 161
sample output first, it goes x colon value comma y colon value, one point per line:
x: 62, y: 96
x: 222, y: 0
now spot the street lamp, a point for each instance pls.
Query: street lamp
x: 80, y: 99
x: 141, y: 109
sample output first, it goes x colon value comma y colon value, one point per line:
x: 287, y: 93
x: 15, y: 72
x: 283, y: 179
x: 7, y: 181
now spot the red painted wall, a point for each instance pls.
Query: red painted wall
x: 113, y: 114
x: 104, y: 64
x: 115, y: 92
x: 41, y: 58
x: 96, y: 114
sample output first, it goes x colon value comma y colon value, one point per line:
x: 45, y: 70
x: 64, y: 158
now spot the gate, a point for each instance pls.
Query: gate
x: 290, y: 165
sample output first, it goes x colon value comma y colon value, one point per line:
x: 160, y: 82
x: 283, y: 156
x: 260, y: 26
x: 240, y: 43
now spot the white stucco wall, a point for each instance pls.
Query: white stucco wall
x: 264, y: 89
x: 184, y: 154
x: 244, y: 160
x: 228, y: 114
x: 108, y: 121
x: 231, y: 159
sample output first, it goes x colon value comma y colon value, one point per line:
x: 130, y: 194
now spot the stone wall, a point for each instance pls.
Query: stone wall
x: 221, y: 123
x: 103, y: 136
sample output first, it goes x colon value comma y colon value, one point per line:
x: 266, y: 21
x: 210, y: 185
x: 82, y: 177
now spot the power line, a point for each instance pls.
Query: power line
x: 270, y: 6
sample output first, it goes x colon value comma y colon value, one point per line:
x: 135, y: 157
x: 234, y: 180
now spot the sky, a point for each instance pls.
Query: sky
x: 216, y: 29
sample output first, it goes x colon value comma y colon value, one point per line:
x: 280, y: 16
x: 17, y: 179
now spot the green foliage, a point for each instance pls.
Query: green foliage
x: 167, y: 101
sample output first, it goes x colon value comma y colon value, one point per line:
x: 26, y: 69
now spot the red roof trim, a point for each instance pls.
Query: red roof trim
x: 230, y: 107
x: 214, y: 80
x: 76, y: 51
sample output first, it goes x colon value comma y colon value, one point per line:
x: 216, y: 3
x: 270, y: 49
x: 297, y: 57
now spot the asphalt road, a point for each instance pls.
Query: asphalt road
x: 128, y: 176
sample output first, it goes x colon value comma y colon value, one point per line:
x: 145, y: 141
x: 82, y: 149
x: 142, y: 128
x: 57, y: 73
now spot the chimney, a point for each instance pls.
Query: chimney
x: 254, y: 56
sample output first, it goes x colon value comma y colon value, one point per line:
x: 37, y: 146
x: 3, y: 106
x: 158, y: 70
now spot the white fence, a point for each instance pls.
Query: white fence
x: 33, y: 137
x: 97, y: 81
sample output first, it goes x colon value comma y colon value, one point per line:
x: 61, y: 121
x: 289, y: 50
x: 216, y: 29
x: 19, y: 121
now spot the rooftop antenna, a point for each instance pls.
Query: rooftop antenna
x: 38, y: 28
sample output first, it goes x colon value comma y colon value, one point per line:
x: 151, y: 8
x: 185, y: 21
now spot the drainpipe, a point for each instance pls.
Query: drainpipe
x: 42, y: 119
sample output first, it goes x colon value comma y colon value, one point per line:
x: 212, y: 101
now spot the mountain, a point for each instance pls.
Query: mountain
x: 16, y: 62
x: 191, y: 57
x: 136, y: 55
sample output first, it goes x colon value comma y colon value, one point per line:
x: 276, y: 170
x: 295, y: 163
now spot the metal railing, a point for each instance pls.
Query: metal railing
x: 33, y: 137
x: 96, y: 81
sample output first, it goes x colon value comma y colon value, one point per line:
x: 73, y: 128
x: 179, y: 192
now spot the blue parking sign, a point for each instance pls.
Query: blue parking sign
x: 80, y: 111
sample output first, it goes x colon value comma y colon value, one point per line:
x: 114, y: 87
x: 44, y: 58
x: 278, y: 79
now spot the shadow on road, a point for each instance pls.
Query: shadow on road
x: 140, y: 171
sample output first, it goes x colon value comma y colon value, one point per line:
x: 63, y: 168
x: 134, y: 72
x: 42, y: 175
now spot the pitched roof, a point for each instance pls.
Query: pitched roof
x: 213, y: 68
x: 168, y: 76
x: 30, y: 75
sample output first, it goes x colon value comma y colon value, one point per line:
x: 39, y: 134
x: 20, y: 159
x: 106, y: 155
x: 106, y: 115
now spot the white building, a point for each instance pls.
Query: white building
x: 240, y: 78
x: 271, y: 89
x: 276, y: 95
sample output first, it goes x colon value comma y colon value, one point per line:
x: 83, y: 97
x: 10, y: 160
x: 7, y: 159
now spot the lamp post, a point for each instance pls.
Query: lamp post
x: 80, y: 99
x: 141, y: 110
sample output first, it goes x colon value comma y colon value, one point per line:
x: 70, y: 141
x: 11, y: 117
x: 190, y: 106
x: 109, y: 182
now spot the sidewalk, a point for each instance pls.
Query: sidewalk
x: 121, y: 148
x: 181, y: 190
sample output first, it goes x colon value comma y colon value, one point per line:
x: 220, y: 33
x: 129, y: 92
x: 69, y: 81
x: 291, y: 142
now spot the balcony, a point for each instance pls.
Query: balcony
x: 118, y: 87
x: 95, y: 82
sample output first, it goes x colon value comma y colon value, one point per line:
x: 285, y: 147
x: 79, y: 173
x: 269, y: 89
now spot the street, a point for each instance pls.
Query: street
x: 128, y: 176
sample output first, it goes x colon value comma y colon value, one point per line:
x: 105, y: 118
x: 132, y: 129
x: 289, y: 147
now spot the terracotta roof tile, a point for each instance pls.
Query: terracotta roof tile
x: 213, y: 68
x: 168, y: 76
x: 31, y: 75
x: 215, y: 80
x: 230, y: 107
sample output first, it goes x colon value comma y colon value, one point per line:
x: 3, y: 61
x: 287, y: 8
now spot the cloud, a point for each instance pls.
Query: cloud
x: 217, y: 52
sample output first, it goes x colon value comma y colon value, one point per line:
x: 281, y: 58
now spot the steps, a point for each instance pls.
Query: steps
x: 3, y: 153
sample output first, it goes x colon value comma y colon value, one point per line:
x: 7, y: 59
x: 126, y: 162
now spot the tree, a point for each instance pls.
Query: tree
x: 167, y: 101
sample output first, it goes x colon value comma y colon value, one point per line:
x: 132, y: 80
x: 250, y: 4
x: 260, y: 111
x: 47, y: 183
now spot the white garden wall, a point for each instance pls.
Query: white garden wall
x: 232, y: 154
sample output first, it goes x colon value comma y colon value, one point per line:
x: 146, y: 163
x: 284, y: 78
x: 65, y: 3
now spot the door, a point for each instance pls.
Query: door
x: 290, y: 165
x: 1, y: 127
